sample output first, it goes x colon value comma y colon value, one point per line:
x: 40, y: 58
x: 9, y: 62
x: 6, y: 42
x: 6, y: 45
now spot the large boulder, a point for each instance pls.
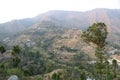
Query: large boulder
x: 13, y: 77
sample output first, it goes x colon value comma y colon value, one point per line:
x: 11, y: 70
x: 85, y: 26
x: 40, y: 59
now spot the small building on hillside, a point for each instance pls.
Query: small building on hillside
x: 117, y: 58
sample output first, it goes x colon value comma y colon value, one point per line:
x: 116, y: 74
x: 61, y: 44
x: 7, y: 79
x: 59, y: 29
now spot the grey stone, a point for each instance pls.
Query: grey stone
x: 13, y: 77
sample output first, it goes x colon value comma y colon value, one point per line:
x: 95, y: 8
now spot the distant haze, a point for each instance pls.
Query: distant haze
x: 18, y: 9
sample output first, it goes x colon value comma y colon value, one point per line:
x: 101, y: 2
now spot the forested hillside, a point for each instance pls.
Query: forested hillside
x: 62, y: 45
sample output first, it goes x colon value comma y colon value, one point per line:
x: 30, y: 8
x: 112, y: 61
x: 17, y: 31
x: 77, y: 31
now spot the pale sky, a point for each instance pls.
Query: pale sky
x: 18, y: 9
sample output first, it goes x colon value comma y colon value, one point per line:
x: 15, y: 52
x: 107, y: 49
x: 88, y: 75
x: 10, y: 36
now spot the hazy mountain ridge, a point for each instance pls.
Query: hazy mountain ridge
x: 67, y: 19
x: 83, y: 20
x: 15, y: 26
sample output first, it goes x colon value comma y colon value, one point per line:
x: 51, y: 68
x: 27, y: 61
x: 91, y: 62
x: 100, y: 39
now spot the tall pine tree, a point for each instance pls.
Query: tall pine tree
x: 97, y: 34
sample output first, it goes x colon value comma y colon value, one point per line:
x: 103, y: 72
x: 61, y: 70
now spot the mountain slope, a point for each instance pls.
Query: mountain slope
x: 75, y: 19
x: 68, y: 19
x: 15, y: 26
x: 83, y: 20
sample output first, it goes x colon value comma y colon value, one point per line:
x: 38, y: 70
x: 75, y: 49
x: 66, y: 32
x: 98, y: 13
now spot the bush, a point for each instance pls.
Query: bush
x: 27, y: 72
x: 14, y: 71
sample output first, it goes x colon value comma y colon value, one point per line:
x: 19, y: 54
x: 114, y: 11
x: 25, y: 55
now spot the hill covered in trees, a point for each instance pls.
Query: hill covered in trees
x: 50, y: 46
x: 51, y: 52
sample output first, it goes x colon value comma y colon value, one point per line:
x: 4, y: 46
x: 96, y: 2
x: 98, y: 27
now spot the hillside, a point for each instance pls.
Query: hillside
x: 83, y: 19
x: 47, y: 50
x: 51, y: 44
x: 68, y: 19
x: 56, y: 29
x: 13, y: 27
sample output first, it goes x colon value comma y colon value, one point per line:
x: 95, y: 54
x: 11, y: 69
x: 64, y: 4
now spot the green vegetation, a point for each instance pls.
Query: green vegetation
x: 2, y: 49
x: 16, y: 57
x: 97, y: 34
x: 52, y: 53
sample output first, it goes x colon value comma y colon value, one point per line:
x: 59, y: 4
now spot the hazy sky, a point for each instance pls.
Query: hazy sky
x: 18, y: 9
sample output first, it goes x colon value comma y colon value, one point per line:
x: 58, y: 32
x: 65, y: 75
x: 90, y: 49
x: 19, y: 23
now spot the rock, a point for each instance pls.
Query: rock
x: 13, y: 77
x: 89, y: 78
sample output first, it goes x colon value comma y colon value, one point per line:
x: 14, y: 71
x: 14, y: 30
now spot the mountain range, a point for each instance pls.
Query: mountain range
x: 65, y: 19
x: 60, y: 28
x: 74, y: 19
